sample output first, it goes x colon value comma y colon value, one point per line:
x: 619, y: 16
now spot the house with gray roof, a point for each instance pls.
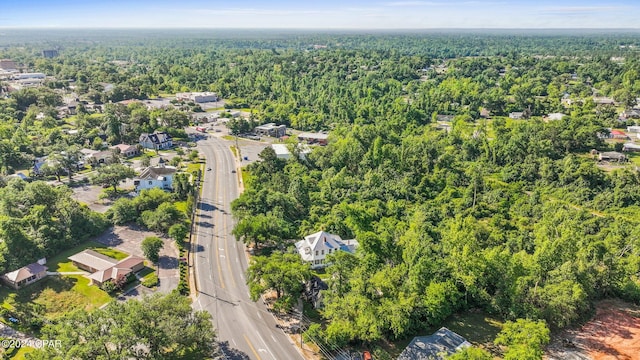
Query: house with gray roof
x: 315, y: 247
x: 156, y: 141
x: 160, y: 176
x: 438, y: 346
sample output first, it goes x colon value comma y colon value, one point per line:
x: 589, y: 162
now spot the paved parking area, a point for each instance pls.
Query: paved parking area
x: 88, y: 194
x: 129, y: 238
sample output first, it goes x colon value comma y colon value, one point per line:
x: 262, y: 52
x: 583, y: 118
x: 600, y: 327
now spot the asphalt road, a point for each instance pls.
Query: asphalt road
x: 245, y: 329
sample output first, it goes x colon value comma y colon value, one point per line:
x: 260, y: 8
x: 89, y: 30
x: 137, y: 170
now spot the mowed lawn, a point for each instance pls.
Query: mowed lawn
x: 56, y: 295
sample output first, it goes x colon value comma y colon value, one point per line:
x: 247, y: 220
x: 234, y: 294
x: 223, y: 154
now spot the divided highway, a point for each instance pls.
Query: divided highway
x: 245, y: 329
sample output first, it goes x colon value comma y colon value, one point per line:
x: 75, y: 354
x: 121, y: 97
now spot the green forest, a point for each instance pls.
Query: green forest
x: 513, y: 217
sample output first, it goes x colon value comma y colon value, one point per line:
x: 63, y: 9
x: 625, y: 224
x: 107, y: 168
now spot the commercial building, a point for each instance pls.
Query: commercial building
x: 197, y: 97
x: 271, y: 129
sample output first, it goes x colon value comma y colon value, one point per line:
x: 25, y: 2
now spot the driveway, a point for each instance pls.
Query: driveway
x: 129, y: 238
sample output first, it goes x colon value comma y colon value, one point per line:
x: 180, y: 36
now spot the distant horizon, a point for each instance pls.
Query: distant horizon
x: 319, y: 29
x: 326, y: 15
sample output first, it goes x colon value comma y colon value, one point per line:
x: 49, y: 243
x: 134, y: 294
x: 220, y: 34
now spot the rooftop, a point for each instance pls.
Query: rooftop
x: 93, y: 259
x: 442, y: 343
x: 25, y: 272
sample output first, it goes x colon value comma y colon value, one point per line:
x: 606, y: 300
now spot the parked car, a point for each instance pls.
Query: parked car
x: 366, y: 355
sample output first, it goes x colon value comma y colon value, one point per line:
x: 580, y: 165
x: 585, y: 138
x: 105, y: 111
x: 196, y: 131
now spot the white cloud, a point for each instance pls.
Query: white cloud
x: 582, y: 9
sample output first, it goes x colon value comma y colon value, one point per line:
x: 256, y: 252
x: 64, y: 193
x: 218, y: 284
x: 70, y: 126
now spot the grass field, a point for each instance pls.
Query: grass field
x: 52, y: 297
x: 193, y: 167
x: 20, y: 355
x: 116, y: 254
x: 55, y: 296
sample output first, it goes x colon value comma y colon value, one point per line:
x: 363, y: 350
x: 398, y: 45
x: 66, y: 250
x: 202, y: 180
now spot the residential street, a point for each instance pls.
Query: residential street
x: 245, y: 329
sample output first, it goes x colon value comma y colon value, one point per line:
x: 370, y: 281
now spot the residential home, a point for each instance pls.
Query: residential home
x: 444, y: 126
x: 555, y: 116
x: 101, y: 157
x: 438, y: 346
x: 630, y: 114
x: 631, y: 147
x: 131, y: 264
x: 485, y: 113
x: 92, y: 261
x: 160, y: 176
x: 26, y: 275
x: 612, y: 156
x: 445, y: 118
x: 313, y: 291
x: 20, y: 176
x: 603, y: 101
x: 156, y: 141
x: 618, y: 134
x: 633, y: 129
x: 271, y: 129
x: 516, y: 115
x: 104, y: 268
x: 315, y: 247
x: 126, y: 150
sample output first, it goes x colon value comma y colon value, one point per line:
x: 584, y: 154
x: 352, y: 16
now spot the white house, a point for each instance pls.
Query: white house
x: 155, y: 177
x: 555, y: 116
x: 315, y: 247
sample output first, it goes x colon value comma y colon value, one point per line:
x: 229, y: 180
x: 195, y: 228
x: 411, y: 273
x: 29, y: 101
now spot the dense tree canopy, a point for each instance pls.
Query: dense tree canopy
x: 157, y: 327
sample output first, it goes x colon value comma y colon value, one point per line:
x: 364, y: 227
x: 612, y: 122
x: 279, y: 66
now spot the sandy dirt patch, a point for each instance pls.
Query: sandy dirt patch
x: 613, y: 333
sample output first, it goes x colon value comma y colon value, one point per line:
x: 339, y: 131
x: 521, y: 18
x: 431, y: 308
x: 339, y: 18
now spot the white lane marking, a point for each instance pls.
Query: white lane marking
x: 274, y: 338
x: 265, y: 345
x: 260, y: 316
x: 221, y: 249
x: 234, y: 343
x: 221, y: 255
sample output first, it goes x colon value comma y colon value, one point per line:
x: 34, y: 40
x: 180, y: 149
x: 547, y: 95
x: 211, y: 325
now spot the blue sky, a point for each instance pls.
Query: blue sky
x: 327, y: 14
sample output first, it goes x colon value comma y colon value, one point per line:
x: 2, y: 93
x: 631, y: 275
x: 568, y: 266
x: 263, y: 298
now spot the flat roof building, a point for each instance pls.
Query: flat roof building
x: 271, y: 129
x: 197, y: 97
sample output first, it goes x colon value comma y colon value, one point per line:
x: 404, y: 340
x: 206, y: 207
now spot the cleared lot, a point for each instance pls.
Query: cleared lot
x: 613, y: 333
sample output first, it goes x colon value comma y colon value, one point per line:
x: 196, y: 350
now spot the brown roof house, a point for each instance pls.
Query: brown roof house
x: 26, y: 275
x: 105, y: 268
x: 126, y: 150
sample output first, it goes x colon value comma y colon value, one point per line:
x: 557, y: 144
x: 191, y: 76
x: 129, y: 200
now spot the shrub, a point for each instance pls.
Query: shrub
x: 150, y: 281
x: 109, y: 287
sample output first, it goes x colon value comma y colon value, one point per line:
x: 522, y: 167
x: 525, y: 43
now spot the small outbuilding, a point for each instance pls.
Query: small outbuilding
x: 26, y: 275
